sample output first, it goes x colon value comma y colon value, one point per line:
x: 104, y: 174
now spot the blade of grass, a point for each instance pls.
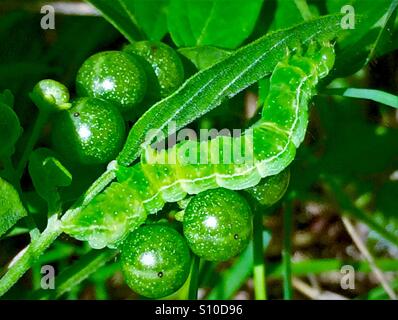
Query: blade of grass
x: 287, y: 251
x: 194, y: 281
x: 369, y: 94
x: 260, y: 291
x: 233, y: 278
x: 318, y: 266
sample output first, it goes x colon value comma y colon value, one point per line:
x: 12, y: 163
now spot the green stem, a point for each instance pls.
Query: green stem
x: 30, y: 255
x: 194, y: 282
x: 33, y: 138
x: 287, y: 251
x: 53, y: 230
x: 260, y: 291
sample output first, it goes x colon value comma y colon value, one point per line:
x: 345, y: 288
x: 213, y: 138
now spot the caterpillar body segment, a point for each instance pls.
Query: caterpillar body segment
x: 191, y: 167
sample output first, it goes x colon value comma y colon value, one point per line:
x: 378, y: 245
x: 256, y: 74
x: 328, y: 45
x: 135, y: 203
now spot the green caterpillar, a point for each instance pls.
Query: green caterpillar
x: 167, y: 176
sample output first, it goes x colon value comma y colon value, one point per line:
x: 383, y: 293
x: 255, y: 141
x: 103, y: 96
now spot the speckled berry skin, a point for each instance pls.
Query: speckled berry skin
x: 271, y: 189
x: 217, y: 224
x: 114, y: 76
x: 165, y: 62
x: 155, y: 260
x: 91, y: 132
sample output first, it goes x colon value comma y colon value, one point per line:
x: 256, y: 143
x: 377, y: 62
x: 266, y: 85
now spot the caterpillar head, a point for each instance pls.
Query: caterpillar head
x: 325, y: 58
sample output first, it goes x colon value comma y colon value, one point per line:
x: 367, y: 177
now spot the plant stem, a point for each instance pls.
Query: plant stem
x: 26, y: 258
x: 287, y: 251
x: 260, y: 291
x: 194, y: 282
x: 33, y: 138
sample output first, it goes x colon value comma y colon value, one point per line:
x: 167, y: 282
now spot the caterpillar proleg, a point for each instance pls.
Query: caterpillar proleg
x: 270, y: 146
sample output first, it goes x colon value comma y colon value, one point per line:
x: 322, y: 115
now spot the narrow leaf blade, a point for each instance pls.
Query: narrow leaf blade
x: 370, y: 94
x: 208, y: 88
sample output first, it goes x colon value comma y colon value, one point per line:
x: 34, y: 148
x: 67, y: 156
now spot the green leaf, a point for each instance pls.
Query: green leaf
x: 355, y: 47
x: 11, y: 208
x: 114, y: 12
x: 48, y: 174
x: 210, y: 87
x: 150, y: 16
x: 387, y: 24
x: 287, y: 14
x: 225, y: 24
x: 370, y: 94
x: 7, y: 98
x: 10, y: 128
x: 204, y: 57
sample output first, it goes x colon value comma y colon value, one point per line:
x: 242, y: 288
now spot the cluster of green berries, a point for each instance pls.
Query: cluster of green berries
x: 110, y: 86
x: 156, y: 259
x: 216, y: 226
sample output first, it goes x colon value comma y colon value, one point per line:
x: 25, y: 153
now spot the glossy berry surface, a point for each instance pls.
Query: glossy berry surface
x: 155, y: 260
x: 165, y: 62
x: 91, y: 132
x: 271, y: 189
x: 114, y: 76
x: 217, y: 224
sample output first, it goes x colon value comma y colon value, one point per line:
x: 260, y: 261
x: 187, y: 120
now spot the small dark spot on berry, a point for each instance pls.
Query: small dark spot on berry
x: 236, y: 236
x: 76, y: 114
x: 160, y: 274
x: 154, y: 49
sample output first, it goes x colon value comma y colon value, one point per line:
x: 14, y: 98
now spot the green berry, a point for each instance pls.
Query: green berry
x: 50, y: 96
x: 271, y: 189
x: 165, y: 62
x: 155, y: 260
x: 217, y: 224
x: 114, y: 76
x: 10, y: 130
x: 91, y: 132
